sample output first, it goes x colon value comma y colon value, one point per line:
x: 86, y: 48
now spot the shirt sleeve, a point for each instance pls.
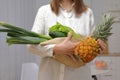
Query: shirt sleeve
x: 39, y: 27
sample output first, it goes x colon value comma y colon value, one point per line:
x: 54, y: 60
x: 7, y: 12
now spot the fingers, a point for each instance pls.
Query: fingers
x: 72, y: 57
x: 69, y: 37
x: 102, y: 44
x: 100, y: 51
x: 76, y: 43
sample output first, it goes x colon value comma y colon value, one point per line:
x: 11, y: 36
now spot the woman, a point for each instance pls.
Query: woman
x: 72, y: 13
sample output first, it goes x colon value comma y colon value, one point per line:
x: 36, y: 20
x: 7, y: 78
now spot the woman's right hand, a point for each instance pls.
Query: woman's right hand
x: 66, y: 47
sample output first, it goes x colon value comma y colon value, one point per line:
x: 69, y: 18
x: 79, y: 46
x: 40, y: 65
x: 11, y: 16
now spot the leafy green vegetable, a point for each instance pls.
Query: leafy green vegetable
x: 59, y: 30
x: 55, y: 34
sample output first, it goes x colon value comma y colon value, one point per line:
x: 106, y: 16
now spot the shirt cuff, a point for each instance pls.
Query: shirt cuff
x: 46, y: 50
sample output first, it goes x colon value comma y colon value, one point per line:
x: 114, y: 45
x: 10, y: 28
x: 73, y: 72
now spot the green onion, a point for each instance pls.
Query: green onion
x: 17, y: 35
x: 29, y: 33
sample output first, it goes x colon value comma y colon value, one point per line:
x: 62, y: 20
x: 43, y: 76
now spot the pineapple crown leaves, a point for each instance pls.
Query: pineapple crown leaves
x: 102, y: 31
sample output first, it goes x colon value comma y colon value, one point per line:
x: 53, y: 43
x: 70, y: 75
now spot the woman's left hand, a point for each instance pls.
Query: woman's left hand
x: 103, y: 46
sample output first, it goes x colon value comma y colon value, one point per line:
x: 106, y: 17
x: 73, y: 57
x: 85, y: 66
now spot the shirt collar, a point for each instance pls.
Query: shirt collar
x: 61, y: 6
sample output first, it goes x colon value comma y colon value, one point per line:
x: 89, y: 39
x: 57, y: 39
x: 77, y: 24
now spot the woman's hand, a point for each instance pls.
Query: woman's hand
x: 103, y: 46
x: 66, y: 47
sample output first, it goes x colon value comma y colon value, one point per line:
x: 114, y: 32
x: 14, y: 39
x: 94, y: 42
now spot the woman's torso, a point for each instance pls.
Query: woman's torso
x: 50, y: 69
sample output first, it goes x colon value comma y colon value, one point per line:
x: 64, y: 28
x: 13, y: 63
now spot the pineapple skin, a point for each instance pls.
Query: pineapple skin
x: 87, y: 49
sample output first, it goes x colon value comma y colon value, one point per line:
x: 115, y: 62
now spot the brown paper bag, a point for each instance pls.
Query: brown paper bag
x: 64, y: 58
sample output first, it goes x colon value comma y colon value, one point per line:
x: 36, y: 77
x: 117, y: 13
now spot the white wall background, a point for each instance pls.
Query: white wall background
x: 22, y: 13
x: 101, y: 6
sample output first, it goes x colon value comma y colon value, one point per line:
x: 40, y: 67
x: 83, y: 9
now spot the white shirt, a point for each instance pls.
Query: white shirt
x: 51, y: 69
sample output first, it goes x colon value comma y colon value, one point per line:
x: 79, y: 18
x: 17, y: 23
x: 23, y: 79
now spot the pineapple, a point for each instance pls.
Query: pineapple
x: 88, y: 48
